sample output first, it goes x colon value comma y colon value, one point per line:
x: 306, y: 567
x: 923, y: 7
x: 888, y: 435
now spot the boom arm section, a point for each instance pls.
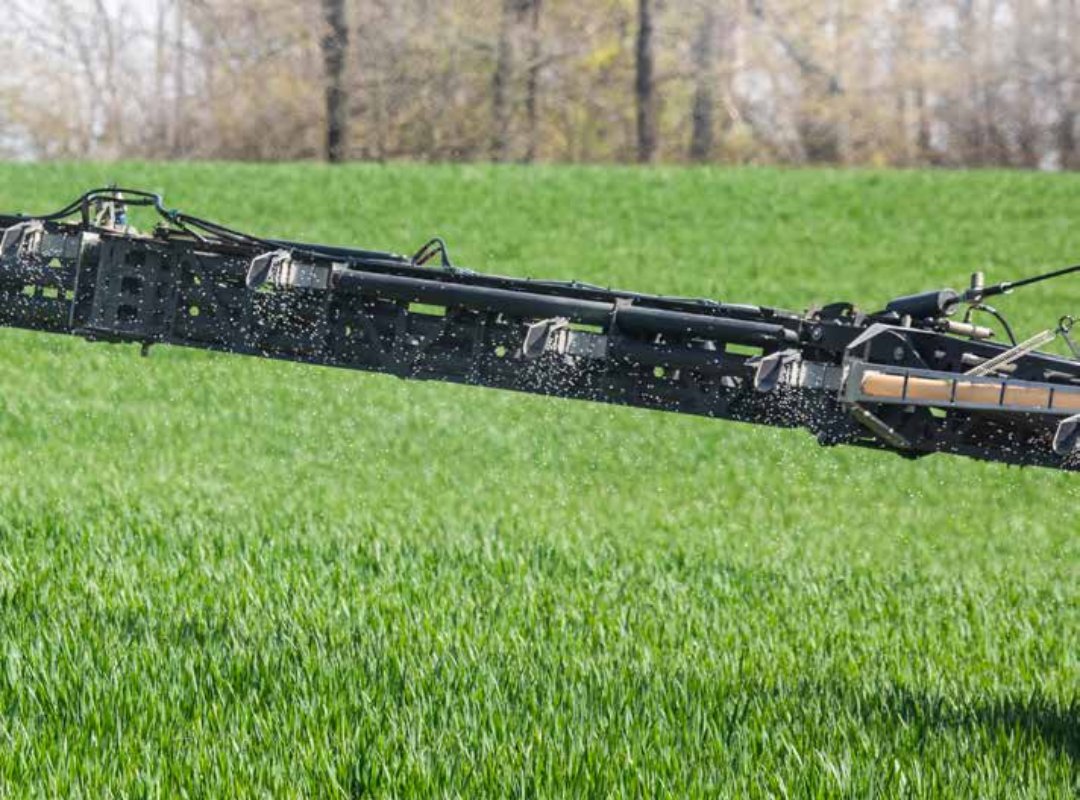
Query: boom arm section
x: 907, y: 379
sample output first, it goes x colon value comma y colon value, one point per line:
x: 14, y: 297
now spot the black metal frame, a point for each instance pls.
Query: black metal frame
x: 198, y: 284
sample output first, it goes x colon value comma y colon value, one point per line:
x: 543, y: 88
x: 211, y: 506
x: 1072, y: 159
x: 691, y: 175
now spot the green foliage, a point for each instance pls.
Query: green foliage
x: 229, y: 577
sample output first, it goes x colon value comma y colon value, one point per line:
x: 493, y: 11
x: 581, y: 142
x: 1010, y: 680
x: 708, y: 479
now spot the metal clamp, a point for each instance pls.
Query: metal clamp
x: 266, y: 266
x: 284, y: 272
x: 22, y: 238
x: 1067, y: 436
x: 769, y: 369
x: 539, y: 334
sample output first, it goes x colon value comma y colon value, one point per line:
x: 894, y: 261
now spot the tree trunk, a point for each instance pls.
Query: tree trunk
x: 645, y: 84
x: 335, y: 46
x: 179, y: 142
x: 973, y: 135
x: 500, y: 84
x: 1064, y: 21
x: 995, y: 142
x: 532, y: 81
x: 923, y: 143
x: 114, y: 117
x: 703, y: 103
x: 161, y: 125
x: 1066, y: 139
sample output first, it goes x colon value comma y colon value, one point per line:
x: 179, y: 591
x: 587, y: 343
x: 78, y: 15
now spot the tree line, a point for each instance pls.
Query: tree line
x: 880, y: 82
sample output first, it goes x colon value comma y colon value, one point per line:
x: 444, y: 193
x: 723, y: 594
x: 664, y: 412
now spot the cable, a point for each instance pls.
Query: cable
x: 1045, y: 277
x: 996, y: 315
x: 430, y: 249
x: 1008, y: 286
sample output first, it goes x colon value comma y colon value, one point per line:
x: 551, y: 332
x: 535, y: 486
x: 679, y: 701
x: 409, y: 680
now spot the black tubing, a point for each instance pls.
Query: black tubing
x: 634, y: 319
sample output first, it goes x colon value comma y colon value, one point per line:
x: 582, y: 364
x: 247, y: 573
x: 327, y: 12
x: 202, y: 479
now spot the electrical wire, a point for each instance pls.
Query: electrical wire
x: 996, y: 315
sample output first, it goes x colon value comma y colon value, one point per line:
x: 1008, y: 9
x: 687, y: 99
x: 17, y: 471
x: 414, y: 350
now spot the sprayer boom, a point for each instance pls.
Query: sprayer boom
x: 911, y: 378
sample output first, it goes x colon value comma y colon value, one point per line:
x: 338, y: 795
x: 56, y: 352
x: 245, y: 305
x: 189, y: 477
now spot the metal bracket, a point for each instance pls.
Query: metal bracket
x: 21, y: 238
x: 538, y: 336
x: 279, y: 268
x: 301, y: 275
x: 903, y: 386
x: 1065, y: 326
x: 1067, y: 436
x: 770, y: 369
x: 880, y: 428
x: 266, y: 266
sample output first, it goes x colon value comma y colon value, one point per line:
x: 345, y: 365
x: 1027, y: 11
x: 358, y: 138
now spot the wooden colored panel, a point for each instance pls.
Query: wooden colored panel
x: 1026, y: 396
x: 984, y: 394
x: 878, y: 384
x: 1068, y: 401
x: 929, y: 390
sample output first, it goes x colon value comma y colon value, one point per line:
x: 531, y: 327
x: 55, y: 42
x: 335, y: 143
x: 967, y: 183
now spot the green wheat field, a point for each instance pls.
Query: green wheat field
x: 227, y: 577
